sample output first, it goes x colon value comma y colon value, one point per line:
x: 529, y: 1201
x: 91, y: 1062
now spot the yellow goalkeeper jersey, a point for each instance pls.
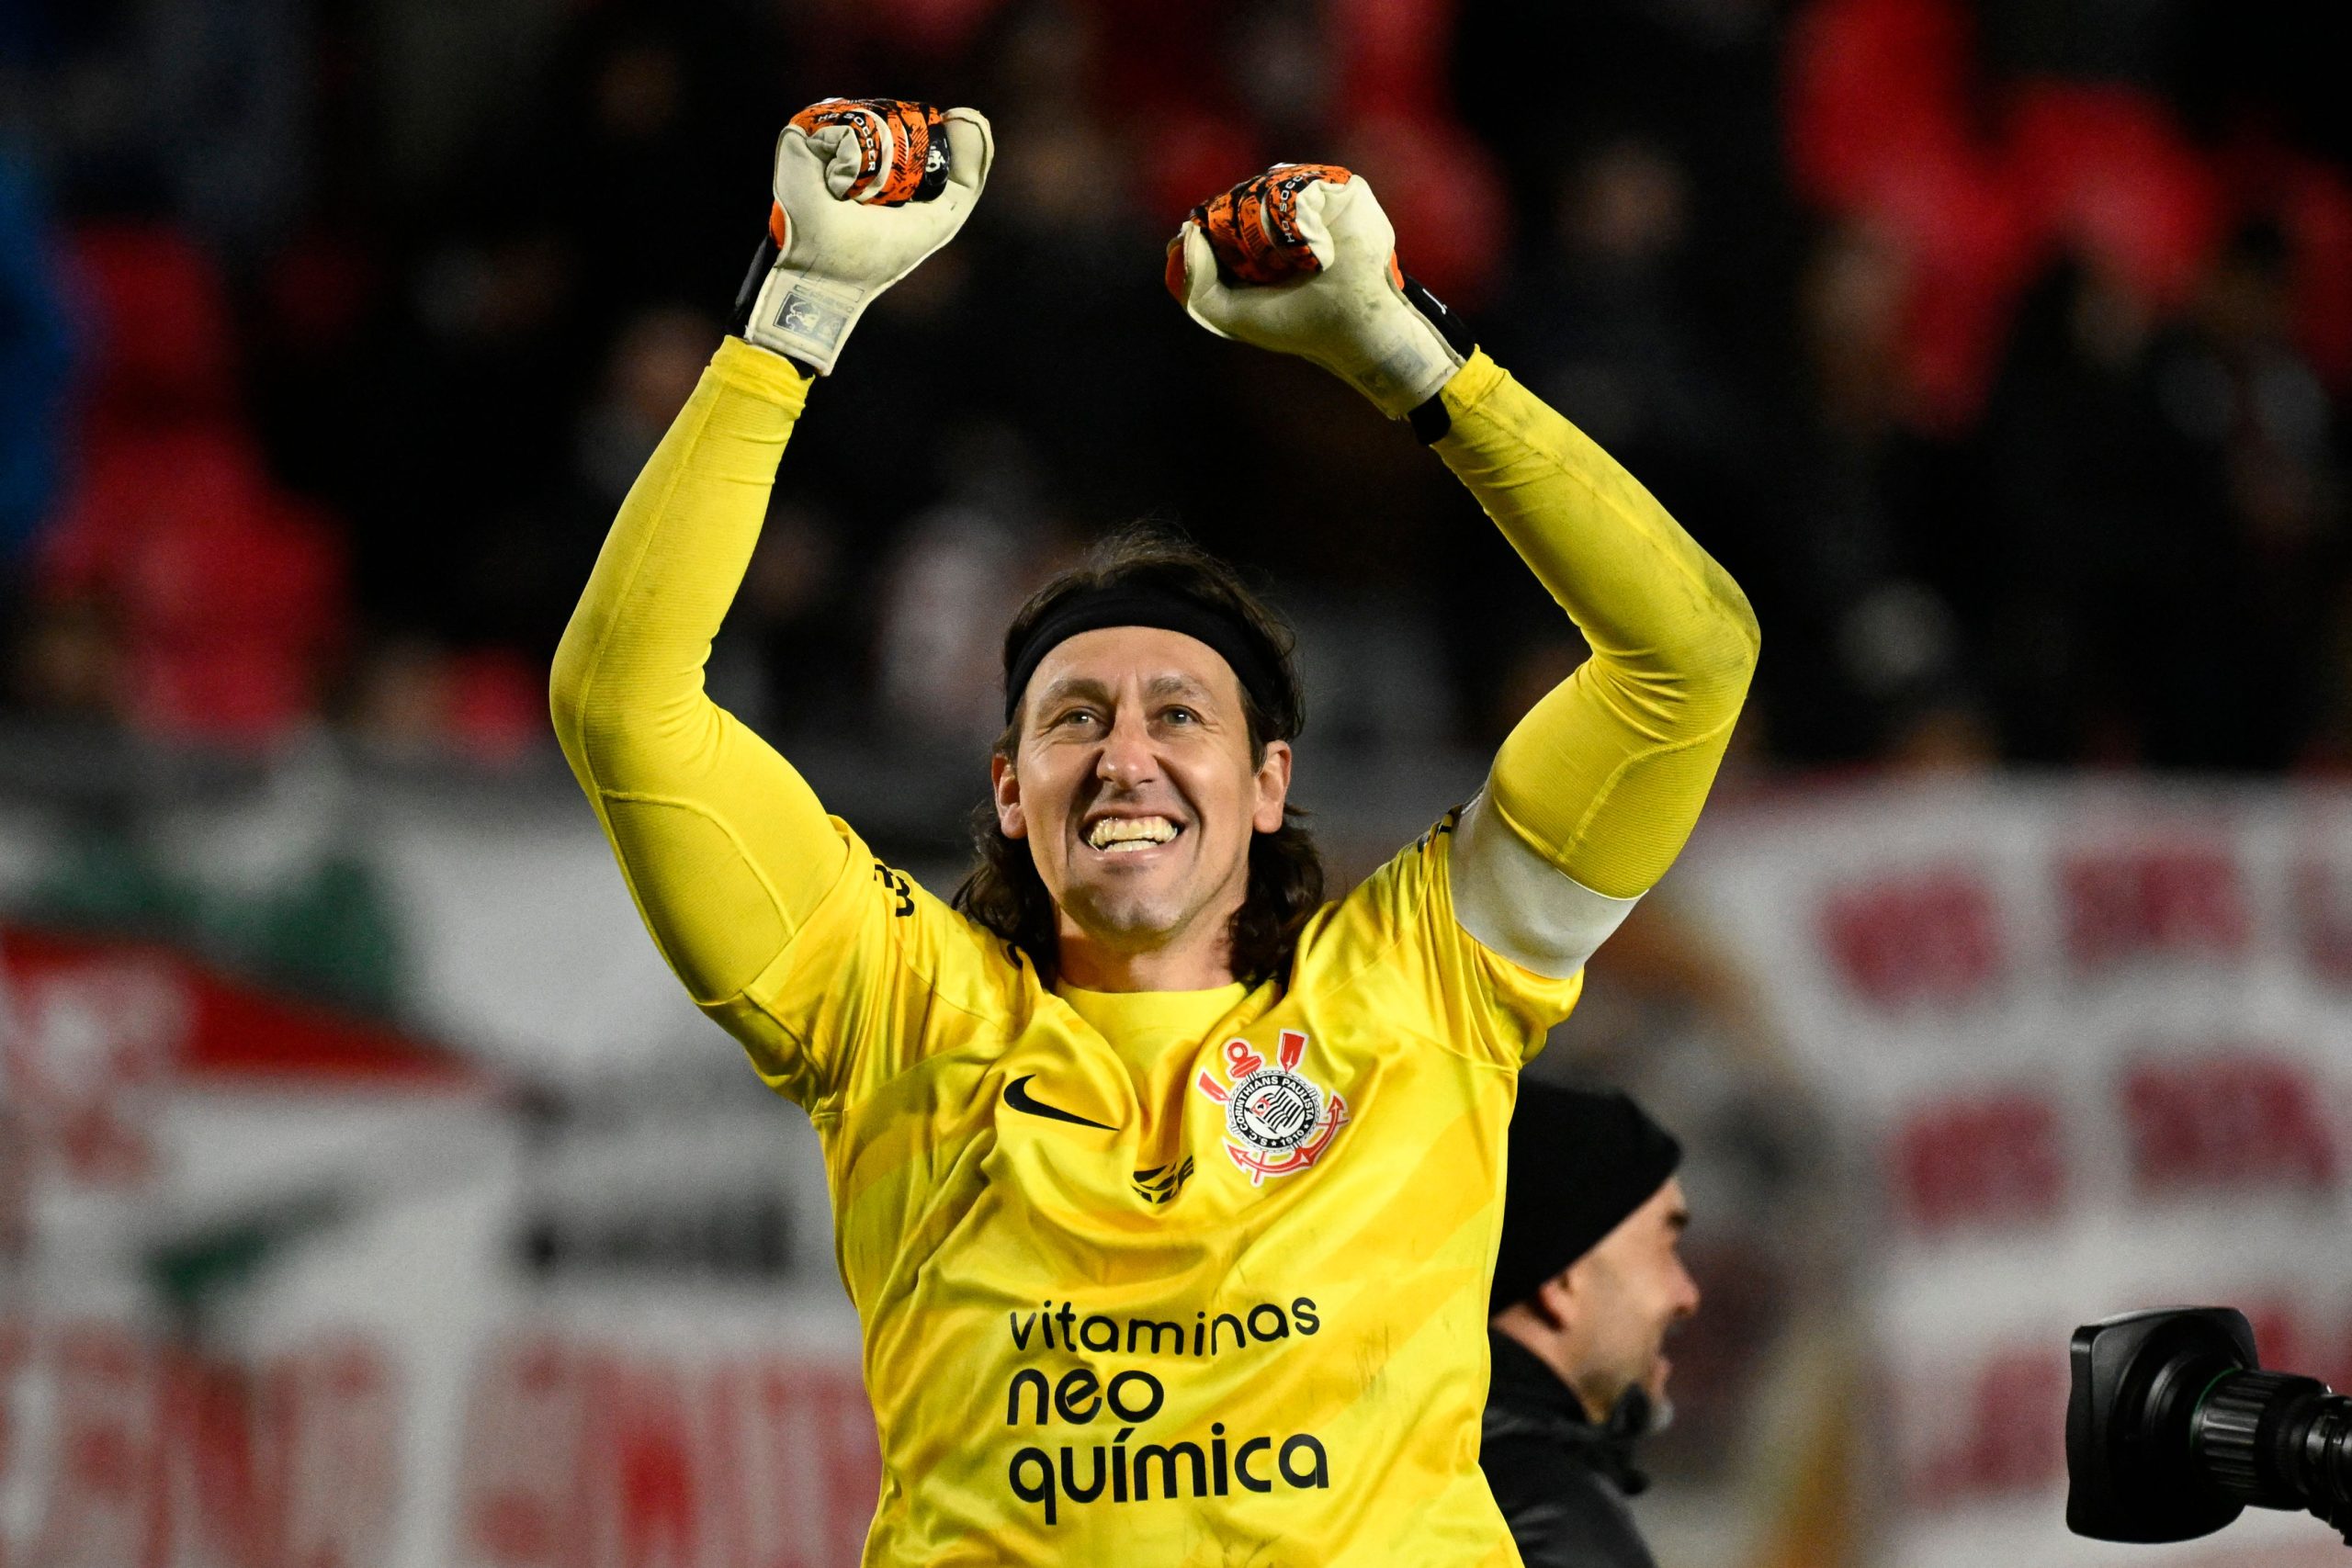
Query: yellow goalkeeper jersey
x: 1160, y: 1280
x: 1165, y: 1278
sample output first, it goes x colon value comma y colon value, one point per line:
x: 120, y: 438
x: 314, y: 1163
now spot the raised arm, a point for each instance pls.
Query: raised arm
x: 724, y: 847
x: 1595, y: 791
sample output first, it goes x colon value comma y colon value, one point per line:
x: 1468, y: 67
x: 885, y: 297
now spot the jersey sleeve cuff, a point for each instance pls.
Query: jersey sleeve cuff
x: 1432, y: 422
x: 1478, y: 376
x: 769, y: 377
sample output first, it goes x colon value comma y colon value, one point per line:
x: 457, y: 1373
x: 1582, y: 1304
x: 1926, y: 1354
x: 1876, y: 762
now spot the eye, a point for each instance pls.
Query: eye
x: 1179, y: 714
x: 1074, y: 716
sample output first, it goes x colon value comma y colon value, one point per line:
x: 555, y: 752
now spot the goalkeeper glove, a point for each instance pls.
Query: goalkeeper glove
x: 864, y: 189
x: 1301, y: 260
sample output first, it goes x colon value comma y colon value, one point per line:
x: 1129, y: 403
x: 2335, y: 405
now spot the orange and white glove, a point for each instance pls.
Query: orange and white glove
x: 864, y: 189
x: 1301, y: 260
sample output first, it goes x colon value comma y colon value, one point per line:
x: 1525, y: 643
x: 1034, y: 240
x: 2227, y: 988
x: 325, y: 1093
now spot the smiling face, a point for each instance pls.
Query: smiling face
x: 1132, y: 784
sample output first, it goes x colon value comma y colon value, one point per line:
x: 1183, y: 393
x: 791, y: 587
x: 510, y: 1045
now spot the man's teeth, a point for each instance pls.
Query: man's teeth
x: 1130, y: 833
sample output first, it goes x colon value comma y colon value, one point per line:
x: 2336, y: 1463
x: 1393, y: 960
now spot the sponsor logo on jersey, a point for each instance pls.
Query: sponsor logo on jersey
x: 1066, y: 1399
x: 1277, y: 1120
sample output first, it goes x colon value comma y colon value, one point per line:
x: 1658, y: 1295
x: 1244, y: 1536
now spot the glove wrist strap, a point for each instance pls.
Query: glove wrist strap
x: 739, y: 320
x: 802, y: 317
x: 1431, y: 421
x: 1429, y: 418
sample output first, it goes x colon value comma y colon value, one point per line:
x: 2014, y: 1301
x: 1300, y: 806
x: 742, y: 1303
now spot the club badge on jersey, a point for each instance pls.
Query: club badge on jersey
x: 1277, y: 1121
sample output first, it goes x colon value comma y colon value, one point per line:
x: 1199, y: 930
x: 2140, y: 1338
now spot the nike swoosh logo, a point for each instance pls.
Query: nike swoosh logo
x: 1016, y: 1095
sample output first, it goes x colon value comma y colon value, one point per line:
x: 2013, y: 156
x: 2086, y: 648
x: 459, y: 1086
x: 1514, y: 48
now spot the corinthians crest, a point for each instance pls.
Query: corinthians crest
x: 1276, y: 1120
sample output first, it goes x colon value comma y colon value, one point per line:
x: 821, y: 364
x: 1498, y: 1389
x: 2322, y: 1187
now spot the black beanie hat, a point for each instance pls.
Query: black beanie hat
x: 1580, y: 1163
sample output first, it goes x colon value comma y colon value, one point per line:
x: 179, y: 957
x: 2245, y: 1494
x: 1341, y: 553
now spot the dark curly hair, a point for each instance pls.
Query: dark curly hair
x: 1003, y: 891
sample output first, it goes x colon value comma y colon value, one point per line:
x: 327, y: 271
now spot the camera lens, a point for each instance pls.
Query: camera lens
x: 2278, y: 1440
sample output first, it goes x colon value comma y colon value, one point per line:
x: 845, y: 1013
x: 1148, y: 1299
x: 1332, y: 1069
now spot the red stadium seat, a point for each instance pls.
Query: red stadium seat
x: 2106, y: 169
x: 157, y: 320
x: 226, y: 592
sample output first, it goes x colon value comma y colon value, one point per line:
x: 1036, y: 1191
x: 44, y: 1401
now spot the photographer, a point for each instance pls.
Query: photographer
x: 1588, y: 1283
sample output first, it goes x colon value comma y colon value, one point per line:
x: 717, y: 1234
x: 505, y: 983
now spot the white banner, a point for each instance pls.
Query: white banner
x: 2092, y: 1047
x: 285, y: 1290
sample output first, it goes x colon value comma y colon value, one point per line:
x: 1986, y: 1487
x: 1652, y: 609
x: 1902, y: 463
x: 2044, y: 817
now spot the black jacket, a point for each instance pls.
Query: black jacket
x: 1562, y: 1480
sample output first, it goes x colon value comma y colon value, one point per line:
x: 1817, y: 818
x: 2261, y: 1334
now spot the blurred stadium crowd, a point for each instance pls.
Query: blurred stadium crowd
x: 2001, y: 350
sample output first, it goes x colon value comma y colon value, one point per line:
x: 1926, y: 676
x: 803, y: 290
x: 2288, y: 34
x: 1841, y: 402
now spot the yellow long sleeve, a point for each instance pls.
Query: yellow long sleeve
x: 724, y: 846
x: 1605, y: 776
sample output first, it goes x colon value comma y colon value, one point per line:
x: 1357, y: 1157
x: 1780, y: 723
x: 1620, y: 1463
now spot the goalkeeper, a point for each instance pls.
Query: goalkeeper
x: 1167, y: 1193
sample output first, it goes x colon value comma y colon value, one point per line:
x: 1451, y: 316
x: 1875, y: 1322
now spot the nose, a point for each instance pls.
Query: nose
x: 1686, y: 1295
x: 1126, y: 760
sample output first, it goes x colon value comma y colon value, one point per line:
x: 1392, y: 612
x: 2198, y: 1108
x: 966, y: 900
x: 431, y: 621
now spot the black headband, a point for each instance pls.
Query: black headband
x: 1091, y: 609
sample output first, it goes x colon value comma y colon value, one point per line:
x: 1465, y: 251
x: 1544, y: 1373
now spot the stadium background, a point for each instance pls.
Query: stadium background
x: 370, y: 1195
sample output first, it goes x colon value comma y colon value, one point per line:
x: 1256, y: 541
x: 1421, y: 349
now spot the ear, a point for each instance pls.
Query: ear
x: 1273, y: 788
x: 1005, y: 786
x: 1555, y: 1300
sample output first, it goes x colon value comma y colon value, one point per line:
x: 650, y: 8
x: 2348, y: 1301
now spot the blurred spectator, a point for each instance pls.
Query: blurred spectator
x: 2172, y: 502
x: 789, y: 660
x: 1697, y: 81
x: 1076, y: 361
x: 642, y: 98
x: 412, y: 700
x: 33, y: 363
x: 469, y: 413
x: 2101, y: 509
x: 1604, y: 326
x: 66, y: 663
x: 652, y: 370
x: 226, y: 87
x: 224, y: 594
x: 1870, y: 517
x: 528, y: 555
x: 960, y: 572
